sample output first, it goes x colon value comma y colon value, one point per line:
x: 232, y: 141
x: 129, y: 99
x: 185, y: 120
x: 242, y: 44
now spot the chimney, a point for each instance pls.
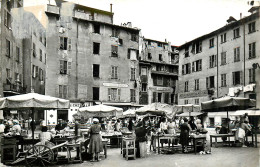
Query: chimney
x: 240, y: 15
x: 111, y: 7
x: 231, y: 19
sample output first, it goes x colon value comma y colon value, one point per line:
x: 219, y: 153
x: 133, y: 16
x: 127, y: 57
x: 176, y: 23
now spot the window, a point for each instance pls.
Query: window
x: 237, y: 78
x: 251, y: 27
x: 37, y: 71
x: 237, y: 54
x: 33, y: 71
x: 159, y: 97
x: 197, y: 101
x: 160, y: 57
x: 223, y: 38
x: 8, y: 73
x: 144, y: 87
x: 197, y: 65
x: 132, y: 54
x: 211, y: 43
x: 132, y: 95
x: 114, y: 51
x: 96, y: 47
x: 120, y: 41
x: 63, y: 67
x: 149, y: 56
x: 134, y: 37
x: 143, y: 71
x: 197, y: 84
x: 132, y: 74
x: 45, y: 58
x: 159, y: 80
x: 252, y: 50
x: 186, y: 101
x: 95, y: 93
x: 212, y: 61
x: 186, y: 86
x: 197, y: 47
x: 114, y: 32
x: 8, y: 48
x: 17, y: 54
x: 210, y: 83
x: 236, y: 33
x: 96, y: 70
x: 223, y: 58
x: 41, y: 75
x: 114, y: 72
x: 211, y: 122
x: 40, y: 55
x: 114, y: 94
x: 186, y: 51
x: 34, y: 50
x: 17, y: 77
x: 7, y: 19
x: 63, y: 91
x: 186, y: 69
x: 96, y: 28
x: 223, y: 80
x: 251, y: 75
x: 63, y: 43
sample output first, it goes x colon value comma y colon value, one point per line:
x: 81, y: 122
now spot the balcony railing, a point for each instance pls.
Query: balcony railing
x: 53, y: 9
x: 165, y: 73
x: 14, y: 88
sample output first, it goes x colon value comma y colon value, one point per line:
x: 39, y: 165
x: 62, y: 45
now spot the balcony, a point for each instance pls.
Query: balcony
x: 14, y: 88
x: 164, y: 73
x: 53, y: 9
x: 81, y: 15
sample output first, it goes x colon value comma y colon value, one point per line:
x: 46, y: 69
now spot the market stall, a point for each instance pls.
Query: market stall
x: 159, y: 109
x: 33, y: 102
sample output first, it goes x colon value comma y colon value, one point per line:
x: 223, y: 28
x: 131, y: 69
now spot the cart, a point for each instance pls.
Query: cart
x: 41, y: 155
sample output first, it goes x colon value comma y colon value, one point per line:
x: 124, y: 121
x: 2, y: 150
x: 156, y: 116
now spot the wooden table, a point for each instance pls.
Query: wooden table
x: 196, y: 139
x: 109, y: 137
x: 220, y: 135
x: 161, y: 137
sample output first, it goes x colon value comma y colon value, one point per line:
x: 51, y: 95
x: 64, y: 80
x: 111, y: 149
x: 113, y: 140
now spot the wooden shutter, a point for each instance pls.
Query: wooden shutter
x: 182, y: 69
x: 215, y: 62
x: 69, y: 44
x: 200, y: 65
x: 238, y: 54
x: 193, y: 66
x: 118, y: 94
x: 235, y: 51
x: 128, y: 53
x: 61, y: 67
x: 233, y: 75
x: 69, y: 66
x: 189, y: 68
x: 241, y: 78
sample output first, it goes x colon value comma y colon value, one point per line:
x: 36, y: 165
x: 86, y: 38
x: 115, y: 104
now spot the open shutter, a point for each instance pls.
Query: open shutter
x: 61, y: 67
x: 215, y: 58
x: 189, y: 68
x: 193, y: 66
x: 182, y: 69
x: 69, y: 66
x: 116, y: 69
x: 69, y: 44
x: 128, y: 53
x: 61, y: 44
x: 166, y: 98
x: 238, y: 54
x: 119, y: 94
x: 199, y: 66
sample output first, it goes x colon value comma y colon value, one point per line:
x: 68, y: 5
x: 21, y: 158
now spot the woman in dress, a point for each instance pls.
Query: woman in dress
x: 241, y: 131
x: 184, y: 136
x: 171, y: 130
x: 95, y: 145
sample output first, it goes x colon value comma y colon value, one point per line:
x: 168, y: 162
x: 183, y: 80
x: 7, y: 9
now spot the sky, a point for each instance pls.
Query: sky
x: 177, y: 21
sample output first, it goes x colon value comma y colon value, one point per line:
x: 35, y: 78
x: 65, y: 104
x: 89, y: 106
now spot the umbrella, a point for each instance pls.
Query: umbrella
x: 249, y: 111
x: 227, y: 104
x: 33, y: 101
x: 188, y: 109
x: 129, y: 113
x: 100, y: 110
x: 158, y: 109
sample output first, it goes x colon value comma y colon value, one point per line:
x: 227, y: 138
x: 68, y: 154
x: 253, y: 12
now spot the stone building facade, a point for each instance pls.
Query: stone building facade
x: 220, y: 63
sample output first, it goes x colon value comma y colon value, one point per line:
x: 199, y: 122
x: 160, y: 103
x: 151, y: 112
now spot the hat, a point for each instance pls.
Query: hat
x: 15, y: 121
x: 95, y: 120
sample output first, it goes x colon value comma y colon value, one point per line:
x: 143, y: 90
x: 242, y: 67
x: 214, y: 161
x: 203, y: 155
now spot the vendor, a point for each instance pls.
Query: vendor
x: 16, y: 129
x: 184, y: 136
x: 163, y: 126
x: 140, y: 143
x: 192, y: 123
x: 95, y: 144
x: 45, y: 136
x: 59, y: 126
x: 118, y: 126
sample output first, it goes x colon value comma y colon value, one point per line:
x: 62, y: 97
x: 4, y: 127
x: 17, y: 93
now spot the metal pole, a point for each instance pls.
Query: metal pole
x: 33, y: 125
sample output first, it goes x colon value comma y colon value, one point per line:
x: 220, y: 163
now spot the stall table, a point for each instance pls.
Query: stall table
x: 218, y: 136
x: 198, y: 140
x: 113, y: 137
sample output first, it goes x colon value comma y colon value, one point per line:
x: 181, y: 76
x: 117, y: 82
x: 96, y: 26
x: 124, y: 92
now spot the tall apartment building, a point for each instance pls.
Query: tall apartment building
x: 220, y: 63
x: 90, y: 59
x: 11, y: 59
x: 158, y: 72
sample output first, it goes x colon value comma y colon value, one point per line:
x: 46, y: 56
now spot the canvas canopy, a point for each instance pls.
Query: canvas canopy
x: 100, y: 111
x: 189, y: 114
x: 33, y: 100
x: 178, y: 109
x: 249, y: 111
x: 158, y: 109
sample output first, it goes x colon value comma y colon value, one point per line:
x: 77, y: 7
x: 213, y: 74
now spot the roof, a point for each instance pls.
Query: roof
x: 82, y: 7
x: 152, y: 40
x: 222, y: 29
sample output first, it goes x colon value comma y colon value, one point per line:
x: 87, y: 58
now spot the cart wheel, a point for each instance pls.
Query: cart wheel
x: 39, y: 155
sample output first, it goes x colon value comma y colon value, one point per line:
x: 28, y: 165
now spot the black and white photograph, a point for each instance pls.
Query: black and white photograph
x: 130, y: 83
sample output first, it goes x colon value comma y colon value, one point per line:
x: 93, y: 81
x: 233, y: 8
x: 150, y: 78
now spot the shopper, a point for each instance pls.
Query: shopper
x: 184, y: 136
x: 95, y: 144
